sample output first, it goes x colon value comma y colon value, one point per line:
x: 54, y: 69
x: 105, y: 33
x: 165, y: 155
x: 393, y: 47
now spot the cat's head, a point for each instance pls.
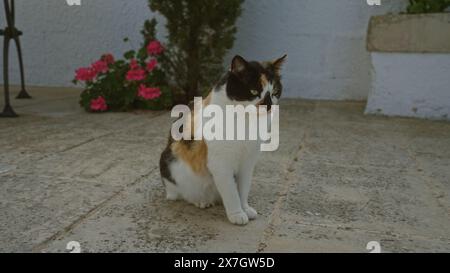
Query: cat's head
x: 255, y: 83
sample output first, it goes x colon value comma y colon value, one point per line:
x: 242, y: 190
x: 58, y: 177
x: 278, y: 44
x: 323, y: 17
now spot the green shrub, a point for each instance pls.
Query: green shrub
x: 427, y: 6
x: 200, y: 32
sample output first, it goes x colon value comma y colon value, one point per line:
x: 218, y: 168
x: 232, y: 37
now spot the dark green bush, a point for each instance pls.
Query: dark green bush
x: 427, y: 6
x: 200, y: 32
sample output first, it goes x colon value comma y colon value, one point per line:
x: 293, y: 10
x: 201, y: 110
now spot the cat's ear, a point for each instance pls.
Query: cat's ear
x: 278, y: 64
x: 238, y: 65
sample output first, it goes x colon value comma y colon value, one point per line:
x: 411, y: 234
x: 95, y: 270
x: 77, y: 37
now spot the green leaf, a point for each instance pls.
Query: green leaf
x: 129, y: 54
x: 142, y: 54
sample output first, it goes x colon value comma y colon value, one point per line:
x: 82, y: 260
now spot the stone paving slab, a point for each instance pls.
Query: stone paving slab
x: 34, y: 209
x: 339, y: 180
x: 294, y: 235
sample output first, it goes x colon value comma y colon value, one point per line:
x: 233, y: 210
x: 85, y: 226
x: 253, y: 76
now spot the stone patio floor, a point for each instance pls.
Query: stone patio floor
x: 339, y: 180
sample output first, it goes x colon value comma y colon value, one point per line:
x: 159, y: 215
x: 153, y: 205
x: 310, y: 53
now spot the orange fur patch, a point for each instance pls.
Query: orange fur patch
x: 194, y: 153
x: 207, y: 100
x: 264, y: 81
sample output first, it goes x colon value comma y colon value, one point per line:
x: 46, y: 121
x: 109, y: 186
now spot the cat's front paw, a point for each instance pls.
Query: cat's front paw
x: 251, y: 213
x: 239, y: 218
x: 203, y: 205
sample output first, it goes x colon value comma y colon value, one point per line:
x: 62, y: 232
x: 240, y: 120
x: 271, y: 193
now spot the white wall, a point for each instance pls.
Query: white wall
x: 411, y: 85
x: 59, y: 38
x: 325, y: 40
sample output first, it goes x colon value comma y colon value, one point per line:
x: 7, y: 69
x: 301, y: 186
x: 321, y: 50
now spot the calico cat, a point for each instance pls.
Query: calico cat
x: 204, y: 172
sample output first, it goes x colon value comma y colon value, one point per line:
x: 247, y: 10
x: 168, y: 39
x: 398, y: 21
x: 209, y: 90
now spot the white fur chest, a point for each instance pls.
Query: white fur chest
x: 233, y: 154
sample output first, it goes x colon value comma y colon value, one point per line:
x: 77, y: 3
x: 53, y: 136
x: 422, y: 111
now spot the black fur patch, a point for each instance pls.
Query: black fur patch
x: 166, y: 159
x: 240, y: 84
x: 277, y: 88
x: 274, y: 76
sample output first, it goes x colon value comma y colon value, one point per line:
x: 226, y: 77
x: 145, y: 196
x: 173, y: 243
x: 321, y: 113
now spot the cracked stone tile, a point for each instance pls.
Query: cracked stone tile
x: 141, y: 220
x: 338, y: 180
x: 299, y: 235
x: 35, y: 208
x: 366, y: 198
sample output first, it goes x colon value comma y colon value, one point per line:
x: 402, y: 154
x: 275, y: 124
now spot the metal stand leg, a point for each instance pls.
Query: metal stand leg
x: 8, y: 112
x: 23, y: 93
x: 11, y: 33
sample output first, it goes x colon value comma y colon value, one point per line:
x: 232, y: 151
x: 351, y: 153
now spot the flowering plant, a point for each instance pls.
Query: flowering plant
x: 121, y: 85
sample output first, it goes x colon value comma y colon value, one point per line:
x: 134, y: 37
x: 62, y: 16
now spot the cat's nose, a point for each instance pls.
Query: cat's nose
x: 268, y: 101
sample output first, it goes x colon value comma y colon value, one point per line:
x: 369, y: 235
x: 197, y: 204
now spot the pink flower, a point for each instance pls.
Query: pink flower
x: 134, y: 64
x: 136, y: 75
x: 99, y: 104
x: 108, y: 58
x: 155, y: 48
x: 85, y: 74
x: 148, y: 93
x: 151, y: 65
x: 100, y: 66
x: 136, y: 72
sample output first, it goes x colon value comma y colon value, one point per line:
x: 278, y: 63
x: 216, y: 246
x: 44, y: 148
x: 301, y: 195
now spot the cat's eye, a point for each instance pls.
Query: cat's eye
x: 254, y: 92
